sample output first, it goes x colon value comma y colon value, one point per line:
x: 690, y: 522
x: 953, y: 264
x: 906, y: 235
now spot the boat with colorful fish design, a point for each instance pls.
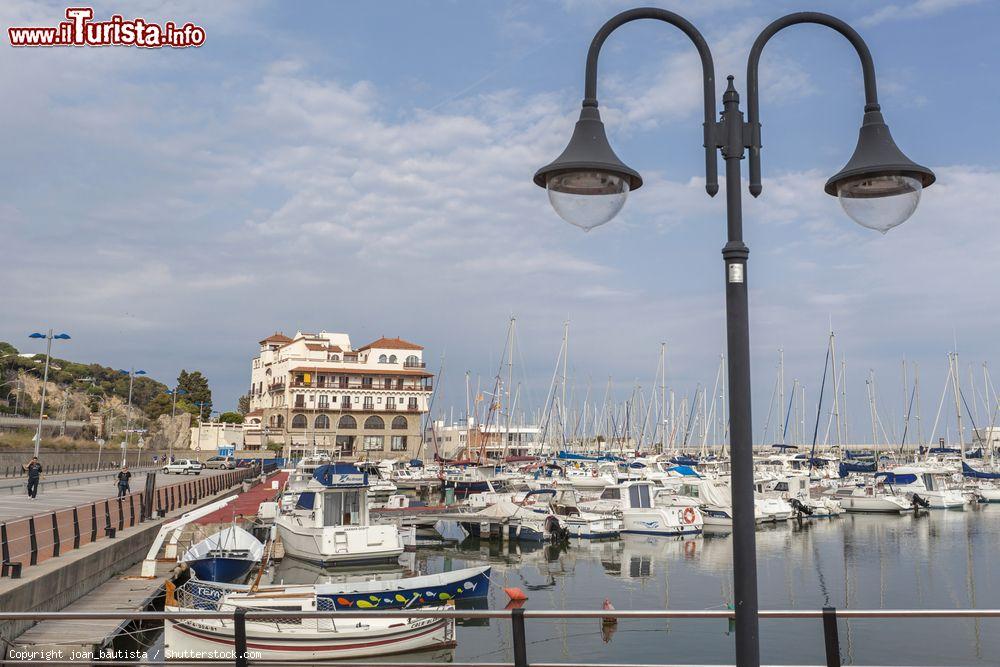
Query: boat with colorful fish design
x: 468, y: 583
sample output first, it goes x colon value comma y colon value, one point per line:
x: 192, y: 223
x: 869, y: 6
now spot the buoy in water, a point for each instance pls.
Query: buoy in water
x: 607, y: 606
x: 515, y: 593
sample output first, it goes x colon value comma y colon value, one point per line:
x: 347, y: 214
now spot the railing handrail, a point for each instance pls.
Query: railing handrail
x: 494, y: 613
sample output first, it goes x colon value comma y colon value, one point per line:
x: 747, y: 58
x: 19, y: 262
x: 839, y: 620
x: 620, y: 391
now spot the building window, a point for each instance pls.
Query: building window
x: 344, y: 381
x: 398, y: 443
x: 347, y: 422
x: 281, y: 421
x: 374, y: 443
x: 392, y: 359
x: 322, y: 422
x: 399, y: 383
x: 334, y: 357
x: 411, y: 404
x: 413, y: 361
x: 299, y: 421
x: 374, y: 423
x: 300, y: 400
x: 399, y: 423
x: 366, y: 383
x: 369, y: 404
x: 346, y: 403
x: 382, y: 358
x: 387, y: 383
x: 390, y: 403
x: 324, y: 402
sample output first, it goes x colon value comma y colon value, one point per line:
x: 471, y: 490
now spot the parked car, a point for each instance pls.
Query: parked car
x: 221, y: 463
x: 183, y: 467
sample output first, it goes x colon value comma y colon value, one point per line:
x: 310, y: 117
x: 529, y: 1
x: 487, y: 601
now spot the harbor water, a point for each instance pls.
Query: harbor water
x: 936, y: 559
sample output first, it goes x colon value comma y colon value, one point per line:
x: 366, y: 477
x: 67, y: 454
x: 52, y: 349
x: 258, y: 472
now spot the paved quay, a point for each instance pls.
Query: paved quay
x: 15, y: 503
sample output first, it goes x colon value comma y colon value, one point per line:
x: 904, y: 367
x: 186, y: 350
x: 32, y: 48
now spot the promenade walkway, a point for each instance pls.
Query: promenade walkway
x: 57, y: 492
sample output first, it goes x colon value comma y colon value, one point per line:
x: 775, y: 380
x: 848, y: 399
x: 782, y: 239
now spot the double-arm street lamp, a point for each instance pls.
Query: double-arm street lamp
x: 45, y: 378
x: 879, y: 188
x: 128, y: 408
x: 174, y: 393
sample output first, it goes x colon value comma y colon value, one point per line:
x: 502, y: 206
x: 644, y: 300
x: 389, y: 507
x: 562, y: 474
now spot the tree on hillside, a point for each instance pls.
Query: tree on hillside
x: 231, y: 418
x: 163, y: 404
x: 243, y: 405
x: 196, y: 386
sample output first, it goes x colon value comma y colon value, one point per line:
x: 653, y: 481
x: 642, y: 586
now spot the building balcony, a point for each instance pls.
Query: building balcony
x: 414, y: 364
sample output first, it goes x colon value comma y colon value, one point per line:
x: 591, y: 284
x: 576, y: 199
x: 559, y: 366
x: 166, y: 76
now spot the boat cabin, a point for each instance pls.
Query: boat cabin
x: 336, y: 496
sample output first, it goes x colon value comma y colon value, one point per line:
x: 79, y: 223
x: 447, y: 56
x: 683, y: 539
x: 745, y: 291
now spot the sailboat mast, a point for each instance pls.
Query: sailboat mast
x: 781, y: 392
x: 663, y: 397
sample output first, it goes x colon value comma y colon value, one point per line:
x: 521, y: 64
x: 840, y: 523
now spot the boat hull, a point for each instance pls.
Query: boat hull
x: 658, y: 521
x: 469, y: 583
x: 208, y: 640
x: 340, y: 545
x: 220, y: 569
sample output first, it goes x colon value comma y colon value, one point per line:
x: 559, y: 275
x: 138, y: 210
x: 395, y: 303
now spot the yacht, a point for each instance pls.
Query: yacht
x: 925, y: 484
x: 873, y: 498
x: 641, y: 515
x: 329, y: 523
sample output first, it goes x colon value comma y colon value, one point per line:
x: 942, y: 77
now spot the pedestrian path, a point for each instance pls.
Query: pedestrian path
x: 17, y: 505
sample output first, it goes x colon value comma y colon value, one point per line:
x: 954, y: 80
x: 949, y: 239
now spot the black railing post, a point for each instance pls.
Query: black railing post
x: 831, y: 637
x: 520, y: 646
x: 240, y: 637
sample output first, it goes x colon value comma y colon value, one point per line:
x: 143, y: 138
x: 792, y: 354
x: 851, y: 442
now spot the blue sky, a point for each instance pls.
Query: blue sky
x: 366, y: 167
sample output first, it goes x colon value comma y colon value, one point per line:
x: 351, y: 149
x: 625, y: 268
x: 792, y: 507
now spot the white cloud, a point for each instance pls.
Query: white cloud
x: 917, y: 9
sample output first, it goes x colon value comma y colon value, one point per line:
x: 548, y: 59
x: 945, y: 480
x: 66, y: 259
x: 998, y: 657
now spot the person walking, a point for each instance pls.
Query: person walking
x: 123, y: 480
x: 34, y: 470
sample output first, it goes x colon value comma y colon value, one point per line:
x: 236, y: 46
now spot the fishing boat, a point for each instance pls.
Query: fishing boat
x: 329, y: 523
x: 371, y: 593
x: 329, y: 637
x: 641, y: 515
x: 226, y: 556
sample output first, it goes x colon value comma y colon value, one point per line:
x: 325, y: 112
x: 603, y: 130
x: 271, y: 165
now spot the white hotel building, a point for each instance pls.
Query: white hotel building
x: 316, y: 390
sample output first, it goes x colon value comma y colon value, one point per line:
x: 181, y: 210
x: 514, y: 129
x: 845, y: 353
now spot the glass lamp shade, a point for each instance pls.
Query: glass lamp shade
x: 880, y: 202
x: 587, y: 198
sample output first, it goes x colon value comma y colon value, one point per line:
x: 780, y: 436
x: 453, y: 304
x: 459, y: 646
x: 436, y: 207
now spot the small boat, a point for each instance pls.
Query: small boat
x: 872, y: 498
x: 226, y: 556
x: 330, y: 637
x: 641, y: 515
x: 468, y: 583
x: 329, y: 523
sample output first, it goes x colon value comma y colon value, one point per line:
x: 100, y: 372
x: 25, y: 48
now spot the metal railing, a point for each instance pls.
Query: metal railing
x: 828, y: 615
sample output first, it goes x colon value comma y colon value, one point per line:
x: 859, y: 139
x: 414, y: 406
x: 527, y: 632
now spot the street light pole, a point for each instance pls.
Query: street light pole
x: 879, y: 188
x: 45, y: 380
x: 128, y: 409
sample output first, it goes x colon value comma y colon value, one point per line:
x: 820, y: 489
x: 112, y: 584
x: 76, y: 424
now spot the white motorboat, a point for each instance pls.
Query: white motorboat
x: 796, y: 490
x: 641, y: 515
x: 329, y: 637
x: 329, y: 523
x: 716, y: 502
x: 564, y: 504
x: 872, y: 498
x: 927, y: 487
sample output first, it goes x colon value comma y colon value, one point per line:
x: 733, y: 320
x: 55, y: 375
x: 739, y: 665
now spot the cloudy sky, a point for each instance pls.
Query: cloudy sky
x: 366, y: 167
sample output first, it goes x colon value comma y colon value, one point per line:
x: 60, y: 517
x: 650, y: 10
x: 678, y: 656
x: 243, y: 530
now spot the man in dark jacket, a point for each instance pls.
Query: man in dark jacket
x: 34, y: 470
x: 123, y: 478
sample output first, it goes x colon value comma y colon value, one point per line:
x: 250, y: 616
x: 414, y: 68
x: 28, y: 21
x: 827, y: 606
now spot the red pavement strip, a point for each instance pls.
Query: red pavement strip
x: 246, y: 504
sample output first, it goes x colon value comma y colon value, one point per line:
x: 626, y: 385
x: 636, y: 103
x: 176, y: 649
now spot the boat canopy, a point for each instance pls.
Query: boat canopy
x: 340, y: 475
x: 848, y: 468
x: 900, y: 479
x: 969, y: 471
x: 684, y: 461
x: 944, y: 450
x: 686, y: 471
x: 859, y: 455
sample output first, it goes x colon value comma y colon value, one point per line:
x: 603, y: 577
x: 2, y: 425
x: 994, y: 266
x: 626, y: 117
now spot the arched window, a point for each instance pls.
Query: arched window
x: 399, y: 422
x: 281, y: 421
x: 347, y: 421
x: 334, y: 357
x: 392, y: 358
x: 299, y: 421
x: 382, y: 358
x: 375, y: 423
x: 412, y: 360
x: 322, y: 422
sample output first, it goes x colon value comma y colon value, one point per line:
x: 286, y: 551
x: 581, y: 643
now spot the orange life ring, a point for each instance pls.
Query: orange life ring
x: 689, y: 515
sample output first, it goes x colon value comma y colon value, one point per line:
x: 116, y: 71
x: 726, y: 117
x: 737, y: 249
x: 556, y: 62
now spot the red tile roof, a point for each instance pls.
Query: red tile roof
x: 276, y: 338
x: 391, y: 344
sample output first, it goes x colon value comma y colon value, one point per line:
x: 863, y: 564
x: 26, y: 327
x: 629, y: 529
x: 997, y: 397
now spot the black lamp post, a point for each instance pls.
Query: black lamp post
x: 879, y: 188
